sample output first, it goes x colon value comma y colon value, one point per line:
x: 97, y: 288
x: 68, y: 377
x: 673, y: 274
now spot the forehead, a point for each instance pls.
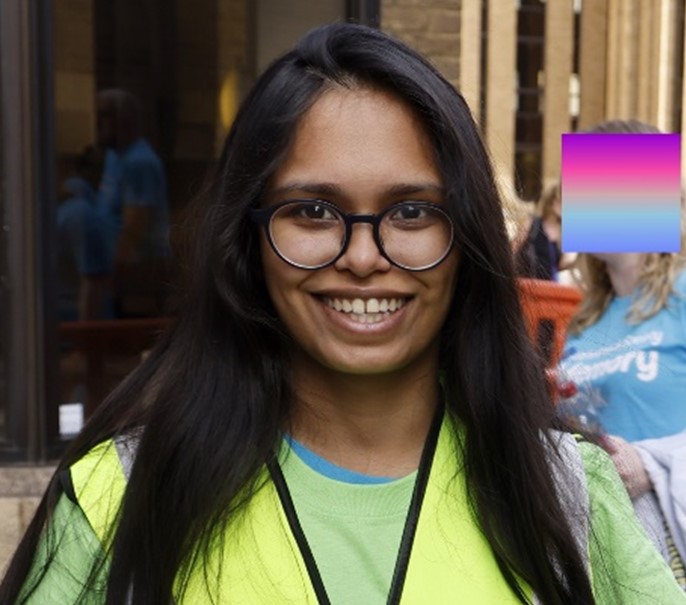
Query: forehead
x: 363, y: 135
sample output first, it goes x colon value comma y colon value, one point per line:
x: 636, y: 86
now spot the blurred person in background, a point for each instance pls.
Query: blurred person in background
x: 627, y: 344
x: 83, y: 261
x: 132, y: 198
x: 537, y: 248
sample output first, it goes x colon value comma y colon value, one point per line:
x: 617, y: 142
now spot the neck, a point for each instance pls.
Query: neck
x: 624, y: 271
x: 375, y: 425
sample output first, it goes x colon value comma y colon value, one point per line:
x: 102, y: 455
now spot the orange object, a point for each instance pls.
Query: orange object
x: 548, y: 307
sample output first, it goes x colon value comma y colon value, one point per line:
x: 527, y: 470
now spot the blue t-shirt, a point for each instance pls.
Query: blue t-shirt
x: 638, y: 370
x: 331, y: 470
x: 136, y: 177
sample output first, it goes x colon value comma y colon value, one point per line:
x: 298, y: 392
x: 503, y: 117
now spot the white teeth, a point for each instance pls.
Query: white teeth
x: 371, y: 311
x: 358, y: 306
x: 366, y: 318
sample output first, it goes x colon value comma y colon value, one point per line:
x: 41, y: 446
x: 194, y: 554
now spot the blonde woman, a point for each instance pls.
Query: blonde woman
x: 628, y: 343
x: 628, y: 339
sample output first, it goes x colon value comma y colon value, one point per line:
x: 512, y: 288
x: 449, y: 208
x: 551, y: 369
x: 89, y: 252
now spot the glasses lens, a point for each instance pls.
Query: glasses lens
x: 415, y: 235
x: 307, y: 233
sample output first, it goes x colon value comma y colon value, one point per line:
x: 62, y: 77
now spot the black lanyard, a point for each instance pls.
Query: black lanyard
x: 410, y: 529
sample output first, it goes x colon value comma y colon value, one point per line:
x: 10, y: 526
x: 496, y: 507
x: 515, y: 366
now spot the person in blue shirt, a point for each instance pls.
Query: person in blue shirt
x: 628, y: 339
x: 83, y: 263
x: 629, y: 342
x: 627, y: 346
x: 132, y: 199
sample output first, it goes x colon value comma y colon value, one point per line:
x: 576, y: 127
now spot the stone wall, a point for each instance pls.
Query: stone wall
x: 430, y: 26
x: 20, y: 491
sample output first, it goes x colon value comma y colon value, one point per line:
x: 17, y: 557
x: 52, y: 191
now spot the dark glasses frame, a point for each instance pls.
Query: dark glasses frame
x: 263, y: 217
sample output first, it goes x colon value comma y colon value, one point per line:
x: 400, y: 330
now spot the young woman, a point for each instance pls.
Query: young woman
x: 348, y: 409
x: 629, y: 336
x: 628, y: 343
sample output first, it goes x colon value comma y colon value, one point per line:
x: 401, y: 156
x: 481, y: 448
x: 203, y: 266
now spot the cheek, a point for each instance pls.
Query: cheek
x: 441, y: 287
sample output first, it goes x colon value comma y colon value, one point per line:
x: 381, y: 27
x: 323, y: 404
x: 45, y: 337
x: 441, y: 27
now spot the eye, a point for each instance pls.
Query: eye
x: 414, y: 215
x: 314, y: 211
x: 409, y: 212
x: 308, y: 214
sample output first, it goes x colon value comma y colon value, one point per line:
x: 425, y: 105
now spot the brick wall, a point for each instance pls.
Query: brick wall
x: 430, y: 26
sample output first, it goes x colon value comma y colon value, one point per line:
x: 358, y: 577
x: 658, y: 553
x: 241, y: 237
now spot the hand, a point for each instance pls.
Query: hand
x: 629, y: 466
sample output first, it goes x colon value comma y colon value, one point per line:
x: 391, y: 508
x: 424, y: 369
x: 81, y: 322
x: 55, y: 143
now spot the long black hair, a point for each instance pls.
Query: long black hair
x: 213, y: 396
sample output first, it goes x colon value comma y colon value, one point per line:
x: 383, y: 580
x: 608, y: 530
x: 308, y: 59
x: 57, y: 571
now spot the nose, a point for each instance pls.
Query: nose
x: 362, y: 256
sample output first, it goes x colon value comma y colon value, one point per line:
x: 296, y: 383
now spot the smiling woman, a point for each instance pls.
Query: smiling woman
x: 348, y: 409
x: 376, y: 162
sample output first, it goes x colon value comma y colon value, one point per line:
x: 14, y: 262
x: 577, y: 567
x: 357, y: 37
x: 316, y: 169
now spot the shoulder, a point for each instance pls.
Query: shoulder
x: 679, y: 287
x: 112, y: 456
x: 609, y: 500
x: 588, y: 471
x: 676, y: 306
x: 140, y: 153
x: 569, y: 472
x: 66, y: 555
x: 97, y: 481
x: 75, y: 212
x: 626, y: 566
x: 597, y: 463
x: 601, y: 474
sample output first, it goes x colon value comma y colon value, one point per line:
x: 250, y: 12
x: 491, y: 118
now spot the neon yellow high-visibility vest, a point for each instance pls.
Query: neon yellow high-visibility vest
x: 262, y: 561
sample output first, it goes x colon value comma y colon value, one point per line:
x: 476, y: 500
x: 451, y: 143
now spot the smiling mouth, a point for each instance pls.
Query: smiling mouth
x: 370, y: 311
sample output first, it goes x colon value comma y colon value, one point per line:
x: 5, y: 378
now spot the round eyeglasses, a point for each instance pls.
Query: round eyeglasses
x: 311, y: 234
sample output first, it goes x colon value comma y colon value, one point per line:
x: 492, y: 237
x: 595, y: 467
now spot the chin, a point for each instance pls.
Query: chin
x: 368, y: 364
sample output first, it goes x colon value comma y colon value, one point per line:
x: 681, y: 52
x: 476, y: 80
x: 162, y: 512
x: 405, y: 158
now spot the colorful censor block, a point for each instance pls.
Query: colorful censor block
x: 621, y: 192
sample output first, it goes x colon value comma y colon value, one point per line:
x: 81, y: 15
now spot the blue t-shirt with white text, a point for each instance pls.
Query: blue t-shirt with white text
x: 639, y: 371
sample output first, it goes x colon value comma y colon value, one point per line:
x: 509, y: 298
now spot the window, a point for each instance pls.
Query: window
x: 76, y: 316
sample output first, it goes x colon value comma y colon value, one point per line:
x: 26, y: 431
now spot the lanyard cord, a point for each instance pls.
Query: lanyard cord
x: 409, y: 530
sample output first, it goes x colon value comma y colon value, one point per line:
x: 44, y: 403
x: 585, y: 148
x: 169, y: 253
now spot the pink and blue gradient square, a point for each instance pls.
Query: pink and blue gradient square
x: 621, y: 192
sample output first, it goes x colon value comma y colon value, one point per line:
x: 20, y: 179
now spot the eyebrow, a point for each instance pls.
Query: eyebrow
x: 333, y: 189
